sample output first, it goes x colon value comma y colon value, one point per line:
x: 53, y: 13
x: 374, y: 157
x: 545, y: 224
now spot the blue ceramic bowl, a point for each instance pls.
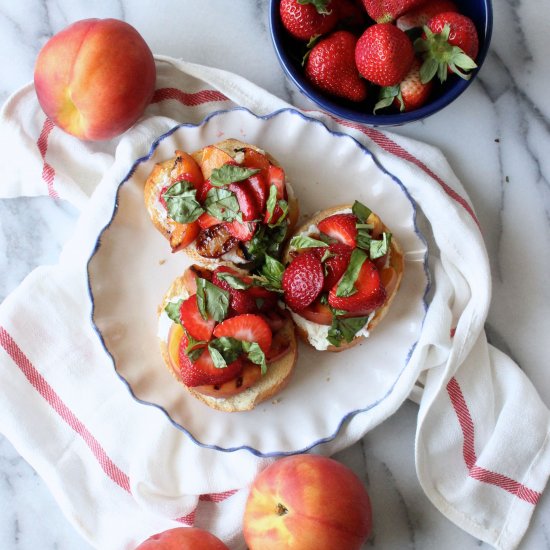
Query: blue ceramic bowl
x: 290, y: 53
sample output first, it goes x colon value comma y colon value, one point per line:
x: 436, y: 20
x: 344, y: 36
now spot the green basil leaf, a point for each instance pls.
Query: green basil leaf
x: 233, y: 281
x: 271, y: 202
x: 273, y: 271
x: 255, y: 354
x: 379, y: 248
x: 283, y: 205
x: 230, y: 173
x: 212, y: 300
x: 363, y: 239
x: 346, y: 286
x: 223, y: 205
x: 173, y: 311
x: 266, y: 240
x: 194, y: 354
x: 360, y: 211
x: 302, y: 241
x: 224, y: 351
x: 181, y: 202
x: 345, y: 329
x: 217, y: 358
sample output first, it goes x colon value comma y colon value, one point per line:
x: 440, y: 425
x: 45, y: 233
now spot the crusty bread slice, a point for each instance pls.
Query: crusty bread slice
x: 277, y: 376
x: 396, y: 261
x: 160, y: 177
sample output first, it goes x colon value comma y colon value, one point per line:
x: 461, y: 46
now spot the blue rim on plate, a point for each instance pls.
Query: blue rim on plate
x: 194, y: 437
x: 343, y: 109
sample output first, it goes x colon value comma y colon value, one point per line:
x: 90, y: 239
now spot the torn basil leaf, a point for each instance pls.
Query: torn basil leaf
x: 223, y: 205
x: 233, y: 281
x: 230, y: 173
x: 302, y: 241
x: 346, y: 286
x: 273, y: 271
x: 379, y: 248
x: 173, y: 311
x: 360, y: 211
x: 224, y: 351
x: 181, y: 203
x: 212, y: 300
x: 266, y: 240
x: 345, y: 329
x: 255, y: 354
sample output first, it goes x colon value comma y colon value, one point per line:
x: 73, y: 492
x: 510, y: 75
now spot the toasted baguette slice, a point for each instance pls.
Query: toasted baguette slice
x: 250, y: 388
x: 160, y: 177
x: 396, y: 261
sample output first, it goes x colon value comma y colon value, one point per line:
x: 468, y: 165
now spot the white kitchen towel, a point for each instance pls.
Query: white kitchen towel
x: 121, y: 472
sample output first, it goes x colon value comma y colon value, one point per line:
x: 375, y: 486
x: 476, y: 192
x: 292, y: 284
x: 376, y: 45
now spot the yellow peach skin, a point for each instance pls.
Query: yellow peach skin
x: 95, y: 78
x: 307, y: 501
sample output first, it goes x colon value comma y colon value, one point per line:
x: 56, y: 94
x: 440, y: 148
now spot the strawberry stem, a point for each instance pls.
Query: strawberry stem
x: 440, y: 56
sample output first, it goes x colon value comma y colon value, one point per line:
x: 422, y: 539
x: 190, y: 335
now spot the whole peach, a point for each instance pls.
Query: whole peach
x: 95, y: 78
x: 307, y: 501
x: 183, y: 538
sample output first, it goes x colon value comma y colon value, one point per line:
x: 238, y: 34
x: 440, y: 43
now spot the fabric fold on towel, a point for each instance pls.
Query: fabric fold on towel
x: 121, y: 472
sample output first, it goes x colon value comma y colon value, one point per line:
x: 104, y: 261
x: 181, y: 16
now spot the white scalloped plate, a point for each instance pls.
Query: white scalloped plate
x: 132, y: 267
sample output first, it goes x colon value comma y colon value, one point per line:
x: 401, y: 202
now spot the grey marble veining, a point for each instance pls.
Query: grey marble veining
x: 496, y: 137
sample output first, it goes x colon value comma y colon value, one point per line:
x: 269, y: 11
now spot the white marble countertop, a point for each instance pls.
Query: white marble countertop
x: 496, y: 136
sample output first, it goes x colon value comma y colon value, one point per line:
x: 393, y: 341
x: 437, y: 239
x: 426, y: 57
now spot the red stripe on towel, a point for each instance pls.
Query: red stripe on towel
x: 188, y: 99
x: 468, y: 450
x: 49, y: 394
x: 392, y: 147
x: 48, y: 173
x: 53, y: 399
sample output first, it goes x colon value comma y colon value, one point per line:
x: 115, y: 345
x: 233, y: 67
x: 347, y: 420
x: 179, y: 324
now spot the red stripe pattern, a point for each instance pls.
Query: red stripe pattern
x: 189, y: 100
x: 48, y: 393
x: 468, y: 450
x: 392, y: 147
x: 48, y: 173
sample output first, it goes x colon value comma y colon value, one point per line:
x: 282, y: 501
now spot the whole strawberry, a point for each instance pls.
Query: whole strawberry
x: 411, y: 93
x: 449, y: 44
x: 330, y: 66
x: 304, y: 19
x: 419, y: 16
x: 386, y: 11
x: 384, y: 54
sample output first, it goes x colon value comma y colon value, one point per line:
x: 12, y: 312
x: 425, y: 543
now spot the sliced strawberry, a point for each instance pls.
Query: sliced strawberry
x: 317, y: 313
x: 370, y: 294
x: 203, y: 190
x: 340, y: 227
x: 191, y: 274
x: 275, y: 216
x: 206, y: 220
x: 246, y: 199
x: 162, y: 200
x: 303, y: 281
x: 336, y: 264
x: 266, y: 300
x: 247, y: 328
x: 203, y: 371
x: 193, y: 322
x: 276, y: 177
x: 241, y: 301
x: 241, y: 231
x: 255, y: 159
x: 258, y: 185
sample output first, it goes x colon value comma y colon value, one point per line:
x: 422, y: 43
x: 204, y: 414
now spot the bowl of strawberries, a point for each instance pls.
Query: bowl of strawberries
x: 381, y: 62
